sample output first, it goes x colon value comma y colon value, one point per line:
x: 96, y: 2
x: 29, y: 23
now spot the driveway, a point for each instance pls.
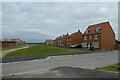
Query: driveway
x: 86, y: 61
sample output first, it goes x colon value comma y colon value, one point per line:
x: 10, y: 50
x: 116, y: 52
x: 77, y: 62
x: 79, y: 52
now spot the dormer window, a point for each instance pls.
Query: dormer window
x: 98, y: 29
x: 87, y: 31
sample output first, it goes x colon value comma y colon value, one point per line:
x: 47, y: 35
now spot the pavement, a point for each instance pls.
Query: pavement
x: 41, y: 67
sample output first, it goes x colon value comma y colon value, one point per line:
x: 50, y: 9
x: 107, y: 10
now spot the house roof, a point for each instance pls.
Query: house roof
x: 65, y: 36
x: 49, y: 40
x: 78, y: 32
x: 92, y: 28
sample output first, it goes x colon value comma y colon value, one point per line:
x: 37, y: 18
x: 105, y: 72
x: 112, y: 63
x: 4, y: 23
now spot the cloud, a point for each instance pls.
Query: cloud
x: 43, y: 20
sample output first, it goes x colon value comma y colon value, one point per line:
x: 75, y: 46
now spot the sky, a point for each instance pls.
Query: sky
x: 38, y: 21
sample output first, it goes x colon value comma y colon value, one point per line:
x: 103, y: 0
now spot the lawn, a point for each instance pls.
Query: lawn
x: 115, y: 67
x: 0, y: 48
x: 44, y: 50
x: 7, y: 48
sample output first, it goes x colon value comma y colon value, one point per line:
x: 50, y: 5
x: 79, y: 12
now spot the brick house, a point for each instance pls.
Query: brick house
x: 68, y: 40
x: 100, y: 36
x: 48, y: 42
x: 76, y: 38
x: 13, y: 43
x: 8, y: 43
x: 0, y: 43
x: 64, y: 40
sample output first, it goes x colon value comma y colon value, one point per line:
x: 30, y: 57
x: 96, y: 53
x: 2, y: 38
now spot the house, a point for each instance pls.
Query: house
x: 48, y: 42
x: 13, y: 43
x: 0, y: 43
x: 59, y: 41
x: 19, y: 42
x: 64, y: 40
x: 76, y: 38
x: 117, y: 45
x: 68, y: 40
x: 99, y: 36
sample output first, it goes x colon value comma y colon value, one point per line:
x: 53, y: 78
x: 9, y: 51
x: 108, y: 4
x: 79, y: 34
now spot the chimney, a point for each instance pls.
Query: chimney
x: 78, y: 30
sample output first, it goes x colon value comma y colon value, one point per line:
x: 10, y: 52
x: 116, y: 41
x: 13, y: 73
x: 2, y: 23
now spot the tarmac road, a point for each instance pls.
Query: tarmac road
x: 68, y: 72
x: 40, y: 66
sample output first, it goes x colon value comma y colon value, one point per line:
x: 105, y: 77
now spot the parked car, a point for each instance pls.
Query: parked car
x: 76, y: 46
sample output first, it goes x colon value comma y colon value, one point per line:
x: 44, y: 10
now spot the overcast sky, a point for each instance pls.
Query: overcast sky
x: 37, y: 21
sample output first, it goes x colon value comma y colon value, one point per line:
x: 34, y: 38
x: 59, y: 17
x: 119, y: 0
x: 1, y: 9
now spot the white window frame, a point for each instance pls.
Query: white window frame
x: 98, y: 29
x: 95, y: 37
x: 96, y: 44
x: 90, y: 36
x: 67, y: 39
x: 84, y: 44
x: 85, y: 37
x: 70, y: 39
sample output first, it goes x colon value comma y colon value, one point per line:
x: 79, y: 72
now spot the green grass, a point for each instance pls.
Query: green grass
x: 44, y: 50
x: 115, y: 67
x: 7, y: 48
x: 0, y: 48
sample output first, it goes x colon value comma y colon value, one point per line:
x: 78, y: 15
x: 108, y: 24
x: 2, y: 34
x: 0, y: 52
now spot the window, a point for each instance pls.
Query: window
x: 67, y: 39
x: 85, y: 37
x: 90, y: 37
x: 60, y: 41
x: 84, y: 44
x: 87, y: 31
x: 96, y: 44
x: 98, y: 29
x: 70, y: 39
x: 96, y: 36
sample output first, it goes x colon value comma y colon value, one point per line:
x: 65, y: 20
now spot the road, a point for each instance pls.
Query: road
x: 87, y: 61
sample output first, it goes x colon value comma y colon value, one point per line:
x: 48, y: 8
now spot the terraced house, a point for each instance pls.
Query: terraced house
x: 100, y: 36
x: 76, y: 38
x: 67, y: 40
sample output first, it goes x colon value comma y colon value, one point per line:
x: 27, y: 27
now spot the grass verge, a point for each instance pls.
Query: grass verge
x: 0, y: 48
x: 115, y: 68
x: 8, y: 48
x: 44, y: 50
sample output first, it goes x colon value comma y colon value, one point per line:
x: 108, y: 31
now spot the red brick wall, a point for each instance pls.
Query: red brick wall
x: 76, y: 38
x: 107, y: 38
x: 8, y: 44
